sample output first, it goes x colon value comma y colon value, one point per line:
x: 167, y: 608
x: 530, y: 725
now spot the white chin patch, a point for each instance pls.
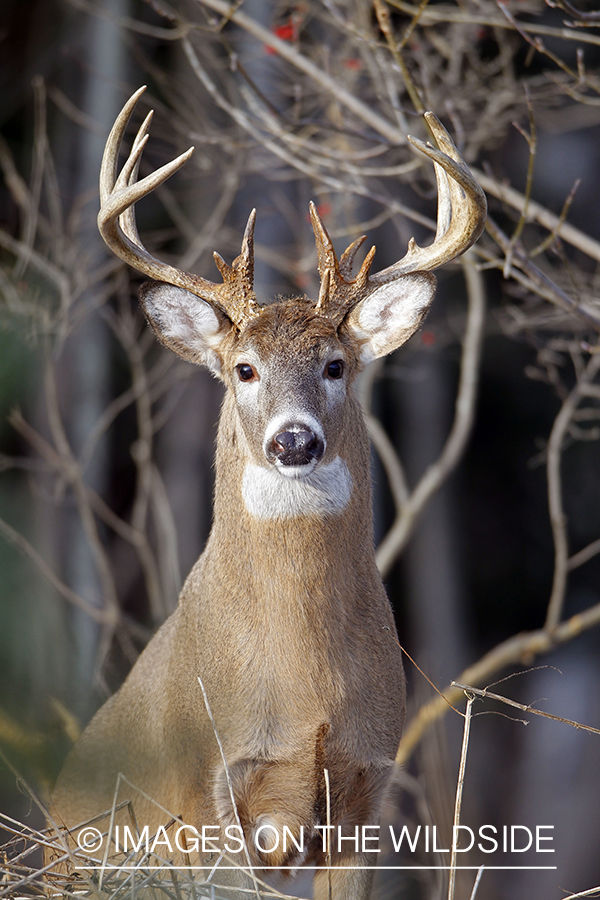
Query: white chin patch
x: 325, y: 491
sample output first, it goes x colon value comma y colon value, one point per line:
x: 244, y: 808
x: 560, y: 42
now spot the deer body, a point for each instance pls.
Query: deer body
x: 284, y: 617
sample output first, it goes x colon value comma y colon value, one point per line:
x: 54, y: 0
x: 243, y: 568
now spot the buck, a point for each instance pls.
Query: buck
x: 284, y: 617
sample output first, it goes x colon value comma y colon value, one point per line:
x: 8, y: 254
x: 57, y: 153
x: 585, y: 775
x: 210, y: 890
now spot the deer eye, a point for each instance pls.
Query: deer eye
x: 245, y: 372
x: 335, y: 369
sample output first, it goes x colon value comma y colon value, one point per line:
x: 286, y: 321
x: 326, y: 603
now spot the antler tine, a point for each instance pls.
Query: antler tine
x: 128, y: 177
x: 347, y: 257
x: 116, y: 222
x: 242, y: 267
x: 462, y: 209
x: 110, y: 157
x: 338, y: 292
x: 245, y: 260
x: 240, y: 277
x: 326, y: 258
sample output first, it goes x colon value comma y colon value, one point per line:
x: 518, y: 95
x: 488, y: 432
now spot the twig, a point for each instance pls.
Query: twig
x: 383, y: 19
x: 553, y: 236
x: 59, y: 279
x: 109, y: 597
x: 9, y: 534
x: 459, y: 795
x: 447, y: 13
x: 541, y: 283
x: 291, y: 55
x: 531, y: 139
x: 591, y: 16
x: 304, y: 166
x: 592, y: 892
x: 483, y: 692
x: 477, y: 881
x: 536, y: 42
x: 538, y: 213
x: 557, y: 517
x: 389, y: 460
x: 535, y: 211
x: 37, y: 176
x: 154, y: 31
x: 578, y: 559
x: 141, y: 452
x: 518, y: 648
x: 413, y: 24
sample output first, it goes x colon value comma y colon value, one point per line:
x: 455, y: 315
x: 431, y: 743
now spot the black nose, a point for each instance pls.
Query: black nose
x: 296, y: 448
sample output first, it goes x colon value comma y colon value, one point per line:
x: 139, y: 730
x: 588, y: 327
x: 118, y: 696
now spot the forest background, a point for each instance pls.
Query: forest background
x: 485, y: 426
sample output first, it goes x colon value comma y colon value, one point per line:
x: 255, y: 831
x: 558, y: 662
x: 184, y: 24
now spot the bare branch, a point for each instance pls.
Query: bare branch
x: 436, y: 474
x: 301, y: 62
x: 538, y: 213
x: 434, y: 14
x: 541, y: 283
x: 523, y: 707
x: 13, y: 537
x: 525, y: 646
x: 459, y: 795
x: 557, y: 517
x: 578, y: 559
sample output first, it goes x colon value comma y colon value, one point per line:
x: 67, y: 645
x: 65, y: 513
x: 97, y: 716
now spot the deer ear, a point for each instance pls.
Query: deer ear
x: 185, y: 323
x: 388, y: 316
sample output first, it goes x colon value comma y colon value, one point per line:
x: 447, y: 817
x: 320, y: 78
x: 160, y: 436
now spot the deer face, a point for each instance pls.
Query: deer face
x: 289, y: 365
x: 290, y: 372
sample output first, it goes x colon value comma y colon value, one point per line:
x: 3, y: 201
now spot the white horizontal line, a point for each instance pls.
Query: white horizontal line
x: 166, y: 867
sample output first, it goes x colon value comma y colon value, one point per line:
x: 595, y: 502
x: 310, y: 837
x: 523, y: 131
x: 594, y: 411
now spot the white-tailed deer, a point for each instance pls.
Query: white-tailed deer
x: 284, y: 617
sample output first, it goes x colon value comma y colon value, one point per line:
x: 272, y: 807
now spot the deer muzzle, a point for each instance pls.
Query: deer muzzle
x: 295, y: 446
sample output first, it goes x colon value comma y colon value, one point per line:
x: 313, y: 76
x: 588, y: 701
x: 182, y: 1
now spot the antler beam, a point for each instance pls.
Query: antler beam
x: 116, y: 222
x: 462, y: 210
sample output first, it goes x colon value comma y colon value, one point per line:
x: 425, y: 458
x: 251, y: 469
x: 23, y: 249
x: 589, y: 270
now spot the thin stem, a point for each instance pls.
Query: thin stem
x: 485, y: 694
x: 459, y: 795
x: 291, y: 55
x: 519, y: 647
x: 557, y: 516
x: 383, y: 19
x: 540, y: 283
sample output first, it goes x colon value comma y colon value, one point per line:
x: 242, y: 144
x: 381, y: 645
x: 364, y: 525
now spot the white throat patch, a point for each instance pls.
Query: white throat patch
x: 269, y: 495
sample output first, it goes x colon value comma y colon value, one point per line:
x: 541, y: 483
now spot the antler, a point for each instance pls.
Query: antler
x: 462, y: 210
x: 116, y: 221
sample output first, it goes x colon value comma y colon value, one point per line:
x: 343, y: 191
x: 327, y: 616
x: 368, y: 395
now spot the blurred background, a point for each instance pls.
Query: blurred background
x: 107, y: 439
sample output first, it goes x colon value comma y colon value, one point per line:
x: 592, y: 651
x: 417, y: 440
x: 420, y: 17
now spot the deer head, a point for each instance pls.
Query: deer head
x: 264, y: 353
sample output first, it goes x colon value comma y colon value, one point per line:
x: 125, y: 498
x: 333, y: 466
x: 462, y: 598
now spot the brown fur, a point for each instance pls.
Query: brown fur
x: 289, y: 628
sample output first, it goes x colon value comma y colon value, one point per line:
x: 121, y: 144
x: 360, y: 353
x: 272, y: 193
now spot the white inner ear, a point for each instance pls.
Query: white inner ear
x: 391, y: 314
x: 186, y: 322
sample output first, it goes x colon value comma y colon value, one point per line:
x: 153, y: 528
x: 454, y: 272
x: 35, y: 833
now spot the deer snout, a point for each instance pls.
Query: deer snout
x: 296, y: 445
